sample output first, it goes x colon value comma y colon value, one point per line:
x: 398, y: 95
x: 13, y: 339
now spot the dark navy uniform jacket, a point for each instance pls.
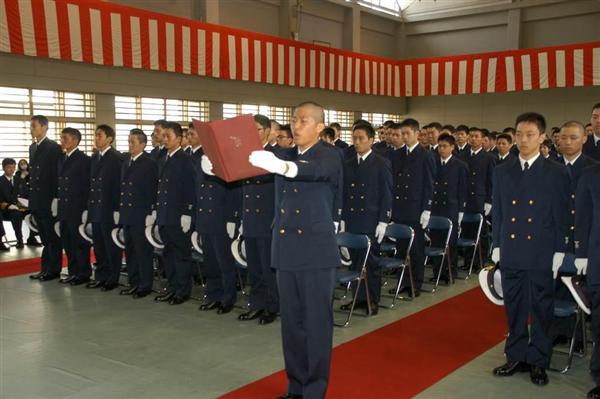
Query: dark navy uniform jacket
x: 305, y: 209
x: 413, y: 184
x: 258, y: 204
x: 10, y: 192
x: 508, y: 157
x: 462, y: 154
x: 591, y: 149
x: 73, y: 186
x: 340, y: 144
x: 367, y: 193
x: 104, y: 186
x: 43, y: 160
x: 139, y: 181
x: 530, y: 213
x: 481, y: 174
x: 450, y: 189
x: 175, y: 194
x: 158, y: 153
x: 587, y: 228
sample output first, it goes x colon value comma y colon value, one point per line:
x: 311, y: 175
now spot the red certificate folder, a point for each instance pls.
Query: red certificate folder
x: 228, y: 144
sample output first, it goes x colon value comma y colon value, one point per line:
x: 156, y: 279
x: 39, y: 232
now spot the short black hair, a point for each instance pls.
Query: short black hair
x: 263, y: 121
x: 449, y: 128
x: 109, y: 131
x: 41, y: 119
x: 475, y: 129
x: 287, y: 129
x: 176, y: 127
x: 191, y: 125
x: 548, y: 143
x: 396, y: 126
x: 448, y: 138
x: 8, y: 161
x: 504, y: 136
x: 328, y: 132
x: 411, y: 123
x: 576, y: 124
x: 335, y: 125
x: 533, y: 117
x: 367, y: 127
x: 588, y: 125
x: 462, y: 128
x: 139, y: 133
x: 356, y: 122
x: 595, y: 107
x: 388, y: 123
x: 509, y: 130
x: 72, y: 132
x: 435, y: 125
x: 160, y: 122
x: 490, y: 135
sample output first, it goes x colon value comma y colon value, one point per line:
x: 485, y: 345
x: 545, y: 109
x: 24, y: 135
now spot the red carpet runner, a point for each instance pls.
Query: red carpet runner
x: 405, y: 357
x: 22, y: 266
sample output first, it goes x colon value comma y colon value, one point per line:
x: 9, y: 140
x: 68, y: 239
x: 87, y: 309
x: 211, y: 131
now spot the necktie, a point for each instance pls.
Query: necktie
x: 443, y: 163
x: 570, y: 169
x: 11, y: 181
x: 526, y: 167
x: 360, y: 160
x: 597, y: 143
x: 407, y: 151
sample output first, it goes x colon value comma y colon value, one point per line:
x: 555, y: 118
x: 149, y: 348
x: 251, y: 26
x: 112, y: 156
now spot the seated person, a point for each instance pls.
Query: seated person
x: 9, y: 208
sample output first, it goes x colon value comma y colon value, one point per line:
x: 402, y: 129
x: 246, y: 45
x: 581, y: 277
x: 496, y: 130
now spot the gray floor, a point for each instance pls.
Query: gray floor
x: 69, y: 342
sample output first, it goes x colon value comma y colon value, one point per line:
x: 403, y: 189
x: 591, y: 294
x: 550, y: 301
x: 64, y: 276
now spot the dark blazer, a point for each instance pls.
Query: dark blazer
x: 508, y: 157
x: 367, y: 193
x: 413, y: 184
x: 175, y: 196
x: 139, y: 180
x: 587, y: 232
x: 305, y: 209
x: 450, y: 189
x: 158, y: 153
x: 530, y: 213
x: 258, y: 204
x: 462, y: 154
x: 104, y: 186
x: 590, y: 149
x: 514, y: 150
x: 43, y: 160
x: 481, y: 172
x: 340, y: 144
x: 73, y: 186
x: 10, y: 192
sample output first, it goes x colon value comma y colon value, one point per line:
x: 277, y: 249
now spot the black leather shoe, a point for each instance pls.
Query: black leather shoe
x: 164, y: 297
x: 79, y: 280
x: 94, y: 284
x: 374, y: 309
x: 223, y: 309
x: 3, y: 247
x: 290, y: 396
x: 128, y: 291
x: 510, y: 367
x: 141, y: 294
x: 267, y: 318
x: 178, y: 300
x: 251, y: 315
x: 346, y: 307
x: 66, y: 280
x: 109, y: 286
x: 209, y: 305
x: 48, y: 277
x: 538, y: 376
x: 36, y: 276
x: 32, y: 242
x: 20, y: 245
x: 594, y: 393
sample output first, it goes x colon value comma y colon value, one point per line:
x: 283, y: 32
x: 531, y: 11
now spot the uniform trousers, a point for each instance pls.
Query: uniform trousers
x: 177, y: 258
x: 139, y: 256
x: 594, y: 294
x: 263, y: 284
x: 76, y: 249
x: 220, y: 269
x: 16, y: 219
x: 52, y: 251
x: 417, y: 252
x: 108, y: 255
x: 373, y: 281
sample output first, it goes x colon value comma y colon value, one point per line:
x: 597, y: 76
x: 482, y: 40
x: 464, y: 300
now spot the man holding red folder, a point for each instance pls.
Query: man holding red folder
x: 304, y: 252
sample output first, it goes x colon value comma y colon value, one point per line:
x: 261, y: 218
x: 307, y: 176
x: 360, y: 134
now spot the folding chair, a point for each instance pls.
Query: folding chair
x: 443, y: 225
x: 399, y: 232
x: 567, y: 308
x: 471, y: 242
x: 347, y: 277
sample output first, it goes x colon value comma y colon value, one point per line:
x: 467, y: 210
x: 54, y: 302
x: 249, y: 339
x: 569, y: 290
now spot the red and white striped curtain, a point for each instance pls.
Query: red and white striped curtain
x: 103, y: 33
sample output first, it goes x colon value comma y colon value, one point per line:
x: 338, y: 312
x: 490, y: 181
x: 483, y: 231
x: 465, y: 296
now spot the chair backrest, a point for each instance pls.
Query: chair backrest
x: 401, y: 232
x: 441, y: 224
x: 353, y: 241
x: 472, y: 218
x: 568, y: 264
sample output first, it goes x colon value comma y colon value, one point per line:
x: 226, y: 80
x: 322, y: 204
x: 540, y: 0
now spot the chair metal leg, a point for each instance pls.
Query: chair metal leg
x: 347, y: 322
x: 579, y: 320
x: 449, y: 262
x: 476, y: 248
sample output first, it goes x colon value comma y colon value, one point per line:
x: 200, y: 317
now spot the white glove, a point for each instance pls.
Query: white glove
x: 496, y: 255
x: 342, y: 226
x: 116, y: 217
x: 425, y: 219
x: 186, y: 223
x: 13, y: 207
x: 230, y: 227
x: 336, y: 227
x: 380, y: 231
x: 206, y: 165
x: 84, y: 216
x: 487, y: 208
x: 581, y: 265
x: 241, y: 229
x: 268, y: 161
x: 557, y: 261
x: 150, y: 219
x: 460, y: 217
x: 54, y: 207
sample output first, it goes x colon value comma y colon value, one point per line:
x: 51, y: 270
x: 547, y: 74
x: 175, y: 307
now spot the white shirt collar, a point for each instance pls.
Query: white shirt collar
x: 410, y: 149
x: 103, y: 152
x: 304, y: 152
x: 173, y: 153
x: 363, y: 157
x: 194, y: 150
x: 445, y: 161
x: 434, y: 146
x: 596, y: 138
x: 9, y: 178
x: 463, y: 147
x: 137, y: 156
x: 573, y: 160
x: 44, y: 138
x: 475, y: 152
x: 186, y: 147
x: 529, y: 161
x: 503, y: 157
x: 68, y: 154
